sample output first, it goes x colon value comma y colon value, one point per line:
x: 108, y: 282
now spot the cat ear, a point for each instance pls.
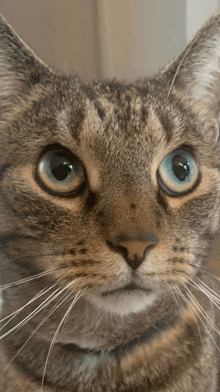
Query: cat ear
x: 20, y: 69
x: 194, y: 76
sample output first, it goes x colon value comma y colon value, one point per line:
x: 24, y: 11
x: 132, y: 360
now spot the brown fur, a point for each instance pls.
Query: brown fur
x: 119, y: 227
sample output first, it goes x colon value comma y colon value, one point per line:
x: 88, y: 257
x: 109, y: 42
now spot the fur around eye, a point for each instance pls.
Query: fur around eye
x: 59, y: 171
x: 178, y: 173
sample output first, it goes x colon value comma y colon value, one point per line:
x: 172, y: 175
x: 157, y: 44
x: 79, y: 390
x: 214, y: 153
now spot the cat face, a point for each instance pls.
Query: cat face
x: 114, y: 186
x: 109, y: 201
x: 117, y: 220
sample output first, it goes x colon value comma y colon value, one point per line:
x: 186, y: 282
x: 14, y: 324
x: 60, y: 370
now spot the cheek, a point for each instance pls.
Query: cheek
x: 201, y: 214
x: 35, y: 209
x: 199, y: 210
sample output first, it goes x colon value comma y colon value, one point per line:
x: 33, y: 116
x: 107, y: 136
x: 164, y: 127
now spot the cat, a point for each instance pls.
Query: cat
x: 109, y: 205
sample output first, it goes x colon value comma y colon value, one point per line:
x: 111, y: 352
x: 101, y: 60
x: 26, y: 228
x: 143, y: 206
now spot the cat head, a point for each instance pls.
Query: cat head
x: 115, y: 186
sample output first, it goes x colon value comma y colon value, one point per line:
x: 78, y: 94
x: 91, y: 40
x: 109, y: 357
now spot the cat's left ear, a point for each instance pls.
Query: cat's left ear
x: 20, y: 69
x: 194, y: 76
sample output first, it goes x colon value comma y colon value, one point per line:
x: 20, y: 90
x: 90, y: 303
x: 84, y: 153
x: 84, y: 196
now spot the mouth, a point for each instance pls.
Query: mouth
x: 129, y: 288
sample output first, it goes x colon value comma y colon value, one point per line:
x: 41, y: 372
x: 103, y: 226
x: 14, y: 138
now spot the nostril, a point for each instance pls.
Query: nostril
x: 119, y: 248
x: 133, y: 249
x: 119, y: 238
x: 135, y: 260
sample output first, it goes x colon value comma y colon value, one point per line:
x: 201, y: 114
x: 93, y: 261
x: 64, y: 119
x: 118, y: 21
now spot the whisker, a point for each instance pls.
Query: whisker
x: 12, y: 315
x: 45, y: 303
x: 33, y: 256
x: 25, y: 280
x: 205, y: 256
x: 207, y: 295
x: 188, y: 303
x: 63, y: 325
x: 215, y: 300
x: 76, y: 298
x: 196, y: 312
x: 172, y: 291
x: 199, y: 307
x: 217, y: 296
x: 200, y: 247
x: 55, y: 307
x: 206, y: 272
x: 32, y: 314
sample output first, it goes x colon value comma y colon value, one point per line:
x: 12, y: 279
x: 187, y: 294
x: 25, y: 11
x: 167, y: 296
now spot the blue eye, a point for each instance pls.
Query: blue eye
x: 60, y: 171
x: 178, y: 172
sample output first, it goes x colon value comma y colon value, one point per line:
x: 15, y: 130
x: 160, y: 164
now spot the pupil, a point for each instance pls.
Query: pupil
x: 181, y: 167
x: 60, y: 168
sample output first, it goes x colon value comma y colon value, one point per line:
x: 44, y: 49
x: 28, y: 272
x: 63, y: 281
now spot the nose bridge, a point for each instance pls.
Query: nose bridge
x: 134, y: 216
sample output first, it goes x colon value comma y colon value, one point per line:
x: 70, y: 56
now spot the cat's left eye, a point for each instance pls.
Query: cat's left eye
x: 59, y: 171
x: 178, y: 173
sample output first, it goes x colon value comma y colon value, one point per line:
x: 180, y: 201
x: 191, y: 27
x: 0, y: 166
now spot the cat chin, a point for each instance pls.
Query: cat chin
x: 124, y: 303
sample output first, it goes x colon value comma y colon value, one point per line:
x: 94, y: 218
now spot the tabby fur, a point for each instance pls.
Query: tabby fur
x: 72, y: 318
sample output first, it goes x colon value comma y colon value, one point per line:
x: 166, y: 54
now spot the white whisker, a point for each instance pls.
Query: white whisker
x: 194, y: 308
x: 188, y: 303
x: 25, y: 280
x: 215, y: 300
x: 46, y: 302
x: 172, y: 291
x: 12, y: 315
x: 33, y: 313
x: 207, y: 287
x: 199, y: 307
x: 55, y: 307
x: 207, y: 272
x: 76, y: 298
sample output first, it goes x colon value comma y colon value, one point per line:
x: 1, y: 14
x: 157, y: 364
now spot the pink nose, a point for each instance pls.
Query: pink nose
x: 134, y: 250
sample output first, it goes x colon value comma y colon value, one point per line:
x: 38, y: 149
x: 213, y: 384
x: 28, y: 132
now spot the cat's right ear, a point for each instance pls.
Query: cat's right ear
x: 20, y: 69
x: 194, y: 77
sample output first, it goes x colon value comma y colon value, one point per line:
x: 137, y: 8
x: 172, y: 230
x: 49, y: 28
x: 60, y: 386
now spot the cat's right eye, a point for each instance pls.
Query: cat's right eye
x: 59, y: 171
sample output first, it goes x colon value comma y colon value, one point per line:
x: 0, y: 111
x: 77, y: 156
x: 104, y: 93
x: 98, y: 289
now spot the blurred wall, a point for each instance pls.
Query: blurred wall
x: 100, y: 38
x: 139, y: 37
x: 62, y: 32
